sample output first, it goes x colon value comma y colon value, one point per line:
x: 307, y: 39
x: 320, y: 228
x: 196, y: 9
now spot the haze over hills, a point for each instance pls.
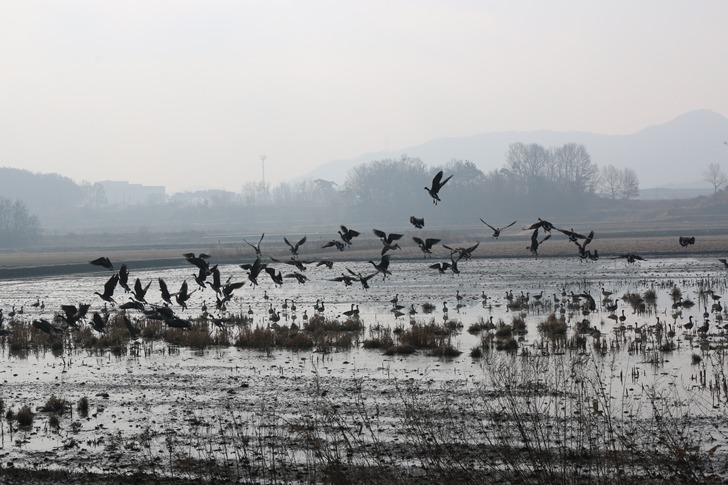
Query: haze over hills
x: 671, y: 154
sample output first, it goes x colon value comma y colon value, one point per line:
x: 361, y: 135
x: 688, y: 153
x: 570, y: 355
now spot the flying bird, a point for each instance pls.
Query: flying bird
x: 294, y: 247
x: 103, y: 262
x: 124, y: 277
x: 497, y: 230
x: 686, y: 241
x: 545, y: 225
x: 426, y: 245
x: 339, y: 245
x: 257, y: 246
x: 573, y: 236
x: 535, y: 243
x: 631, y: 257
x: 199, y: 261
x: 418, y: 222
x: 388, y: 240
x: 437, y: 184
x: 347, y: 235
x: 109, y: 287
x: 140, y: 291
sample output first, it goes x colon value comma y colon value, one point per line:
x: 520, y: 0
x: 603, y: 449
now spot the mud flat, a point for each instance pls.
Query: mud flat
x: 540, y: 396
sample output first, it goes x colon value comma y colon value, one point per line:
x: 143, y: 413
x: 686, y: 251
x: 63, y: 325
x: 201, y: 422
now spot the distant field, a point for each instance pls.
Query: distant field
x: 610, y: 244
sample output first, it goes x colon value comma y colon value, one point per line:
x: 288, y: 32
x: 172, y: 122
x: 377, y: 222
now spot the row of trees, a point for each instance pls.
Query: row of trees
x: 17, y: 226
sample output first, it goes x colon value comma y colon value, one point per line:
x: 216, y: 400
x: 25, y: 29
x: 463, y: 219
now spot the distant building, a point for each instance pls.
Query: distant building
x: 126, y: 193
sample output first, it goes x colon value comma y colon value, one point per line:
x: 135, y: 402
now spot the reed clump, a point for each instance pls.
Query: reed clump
x: 553, y: 326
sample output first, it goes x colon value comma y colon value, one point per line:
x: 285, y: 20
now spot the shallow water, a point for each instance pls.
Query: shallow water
x: 157, y: 387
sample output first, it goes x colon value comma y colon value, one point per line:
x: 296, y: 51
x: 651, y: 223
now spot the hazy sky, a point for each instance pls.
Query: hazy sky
x: 189, y: 94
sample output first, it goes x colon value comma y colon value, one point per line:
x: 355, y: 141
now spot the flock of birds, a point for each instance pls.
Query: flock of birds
x: 208, y: 277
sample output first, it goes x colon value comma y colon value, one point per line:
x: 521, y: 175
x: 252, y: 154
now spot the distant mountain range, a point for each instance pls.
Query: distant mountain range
x: 670, y: 155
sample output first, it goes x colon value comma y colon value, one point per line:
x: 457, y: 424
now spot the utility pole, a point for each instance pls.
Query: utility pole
x: 262, y: 166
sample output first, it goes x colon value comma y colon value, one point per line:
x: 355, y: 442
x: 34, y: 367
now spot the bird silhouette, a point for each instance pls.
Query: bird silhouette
x: 426, y: 245
x: 573, y: 236
x: 103, y: 262
x: 418, y: 222
x: 199, y: 261
x: 257, y: 246
x: 183, y: 295
x: 45, y: 326
x: 301, y: 278
x: 497, y: 230
x: 347, y: 235
x: 109, y: 287
x: 535, y: 243
x: 388, y: 240
x: 364, y: 280
x: 275, y: 276
x: 300, y: 265
x: 98, y: 322
x: 254, y: 270
x: 462, y: 252
x: 140, y: 291
x: 686, y: 241
x: 294, y: 247
x: 630, y: 257
x: 166, y: 296
x: 72, y: 314
x: 124, y: 278
x: 437, y: 184
x: 441, y: 267
x: 541, y: 224
x: 344, y: 278
x: 382, y: 266
x: 339, y: 245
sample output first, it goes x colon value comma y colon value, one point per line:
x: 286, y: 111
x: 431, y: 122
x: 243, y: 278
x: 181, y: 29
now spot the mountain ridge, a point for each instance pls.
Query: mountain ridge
x: 658, y: 153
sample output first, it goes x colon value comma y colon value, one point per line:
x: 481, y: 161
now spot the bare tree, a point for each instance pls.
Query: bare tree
x: 527, y: 160
x: 17, y: 226
x: 630, y: 184
x: 610, y: 181
x: 572, y: 168
x: 715, y: 176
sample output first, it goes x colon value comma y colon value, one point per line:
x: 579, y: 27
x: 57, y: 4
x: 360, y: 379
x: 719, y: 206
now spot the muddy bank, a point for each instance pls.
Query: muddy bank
x: 27, y: 264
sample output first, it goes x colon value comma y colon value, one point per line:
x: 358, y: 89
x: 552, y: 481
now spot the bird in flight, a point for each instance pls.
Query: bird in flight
x: 686, y: 241
x: 418, y: 222
x: 426, y: 245
x: 257, y: 246
x: 294, y: 247
x: 535, y: 243
x: 497, y: 230
x: 437, y: 184
x: 103, y: 262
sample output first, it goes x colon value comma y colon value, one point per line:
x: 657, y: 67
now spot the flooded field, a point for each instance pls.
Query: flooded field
x: 506, y: 351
